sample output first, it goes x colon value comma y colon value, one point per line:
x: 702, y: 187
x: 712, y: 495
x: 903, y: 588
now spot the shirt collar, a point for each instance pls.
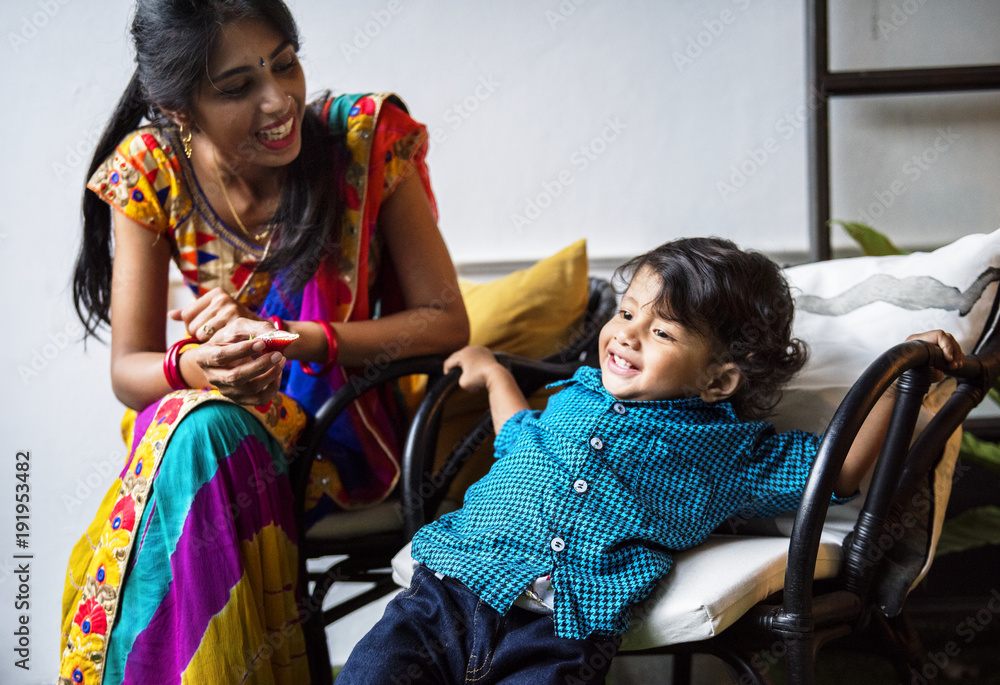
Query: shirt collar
x: 590, y: 378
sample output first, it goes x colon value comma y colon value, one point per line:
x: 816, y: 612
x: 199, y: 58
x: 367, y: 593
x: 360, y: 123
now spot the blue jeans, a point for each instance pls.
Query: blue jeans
x: 438, y: 631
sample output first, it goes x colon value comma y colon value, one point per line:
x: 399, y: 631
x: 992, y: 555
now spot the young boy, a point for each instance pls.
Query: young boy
x: 533, y: 580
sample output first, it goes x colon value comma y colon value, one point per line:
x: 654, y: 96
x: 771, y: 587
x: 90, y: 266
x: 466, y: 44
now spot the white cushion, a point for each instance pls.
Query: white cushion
x: 849, y: 311
x: 713, y: 585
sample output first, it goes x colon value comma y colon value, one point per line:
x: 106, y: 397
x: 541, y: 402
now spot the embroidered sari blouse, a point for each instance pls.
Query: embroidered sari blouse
x: 149, y: 182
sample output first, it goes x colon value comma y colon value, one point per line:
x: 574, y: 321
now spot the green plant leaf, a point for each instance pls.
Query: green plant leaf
x: 871, y: 242
x: 973, y: 528
x: 979, y: 452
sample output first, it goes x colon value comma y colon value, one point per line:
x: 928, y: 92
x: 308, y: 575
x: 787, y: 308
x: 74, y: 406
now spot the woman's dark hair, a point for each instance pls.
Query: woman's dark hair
x: 738, y: 300
x: 173, y: 40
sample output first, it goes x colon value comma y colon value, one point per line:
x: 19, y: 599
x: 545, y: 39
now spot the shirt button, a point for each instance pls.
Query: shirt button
x: 597, y: 443
x: 580, y: 485
x: 619, y: 408
x: 557, y: 544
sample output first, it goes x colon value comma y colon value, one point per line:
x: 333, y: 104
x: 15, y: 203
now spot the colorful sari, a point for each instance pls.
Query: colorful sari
x: 191, y: 562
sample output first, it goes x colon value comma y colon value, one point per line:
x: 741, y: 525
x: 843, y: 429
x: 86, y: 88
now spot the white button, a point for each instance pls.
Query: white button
x: 558, y: 544
x: 596, y: 443
x: 619, y: 408
x: 580, y: 485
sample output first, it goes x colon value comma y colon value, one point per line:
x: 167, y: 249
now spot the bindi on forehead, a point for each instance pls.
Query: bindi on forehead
x: 242, y: 45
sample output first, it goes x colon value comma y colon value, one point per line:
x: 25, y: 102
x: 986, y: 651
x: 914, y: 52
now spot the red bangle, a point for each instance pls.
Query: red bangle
x: 278, y: 323
x: 332, y: 349
x: 171, y: 364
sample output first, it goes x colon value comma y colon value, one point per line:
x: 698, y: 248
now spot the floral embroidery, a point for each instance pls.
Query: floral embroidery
x: 86, y: 643
x: 123, y: 515
x: 77, y: 669
x: 167, y: 411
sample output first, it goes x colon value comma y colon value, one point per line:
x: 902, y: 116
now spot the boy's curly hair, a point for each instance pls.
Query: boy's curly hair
x: 740, y: 301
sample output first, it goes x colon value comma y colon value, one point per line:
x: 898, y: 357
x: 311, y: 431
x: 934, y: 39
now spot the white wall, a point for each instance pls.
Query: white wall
x: 668, y: 99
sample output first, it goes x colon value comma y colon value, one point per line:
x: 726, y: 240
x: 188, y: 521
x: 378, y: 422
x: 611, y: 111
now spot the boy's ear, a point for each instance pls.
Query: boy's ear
x: 723, y: 381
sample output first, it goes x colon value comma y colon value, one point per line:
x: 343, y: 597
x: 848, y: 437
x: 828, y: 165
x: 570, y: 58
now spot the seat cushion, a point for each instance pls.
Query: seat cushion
x: 713, y: 585
x: 705, y: 592
x: 351, y: 525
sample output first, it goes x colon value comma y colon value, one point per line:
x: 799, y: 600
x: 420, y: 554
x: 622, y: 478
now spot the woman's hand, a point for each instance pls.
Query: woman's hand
x: 234, y: 363
x: 210, y: 313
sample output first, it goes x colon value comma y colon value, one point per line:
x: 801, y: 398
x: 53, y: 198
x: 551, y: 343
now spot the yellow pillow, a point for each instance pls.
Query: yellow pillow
x: 534, y: 312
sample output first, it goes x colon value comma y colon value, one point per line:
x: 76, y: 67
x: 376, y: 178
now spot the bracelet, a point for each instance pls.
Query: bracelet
x: 278, y: 323
x: 171, y: 364
x: 332, y: 349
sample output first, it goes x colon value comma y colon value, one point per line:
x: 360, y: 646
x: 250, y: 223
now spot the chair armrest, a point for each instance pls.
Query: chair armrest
x: 355, y: 386
x: 422, y: 492
x: 910, y: 362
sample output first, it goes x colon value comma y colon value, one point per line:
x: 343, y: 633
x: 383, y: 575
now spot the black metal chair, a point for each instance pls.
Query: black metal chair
x: 368, y: 539
x: 878, y: 565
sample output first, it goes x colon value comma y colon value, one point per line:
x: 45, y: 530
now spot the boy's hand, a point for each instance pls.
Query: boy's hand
x: 868, y: 442
x: 477, y: 364
x: 949, y: 346
x: 480, y: 369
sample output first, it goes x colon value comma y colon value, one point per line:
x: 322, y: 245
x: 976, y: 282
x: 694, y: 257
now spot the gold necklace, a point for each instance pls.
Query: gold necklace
x: 256, y: 237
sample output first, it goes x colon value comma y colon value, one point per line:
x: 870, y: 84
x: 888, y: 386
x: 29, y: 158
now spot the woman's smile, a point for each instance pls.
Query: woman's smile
x: 278, y: 135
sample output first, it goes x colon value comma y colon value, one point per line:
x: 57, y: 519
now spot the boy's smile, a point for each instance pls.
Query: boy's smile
x: 645, y: 356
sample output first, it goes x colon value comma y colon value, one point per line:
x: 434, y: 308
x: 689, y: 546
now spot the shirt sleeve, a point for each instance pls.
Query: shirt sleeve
x: 510, y: 431
x: 142, y: 180
x: 778, y: 472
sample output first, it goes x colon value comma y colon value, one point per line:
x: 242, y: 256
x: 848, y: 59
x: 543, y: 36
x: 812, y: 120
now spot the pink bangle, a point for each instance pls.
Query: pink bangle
x: 171, y: 364
x: 278, y: 323
x: 332, y: 348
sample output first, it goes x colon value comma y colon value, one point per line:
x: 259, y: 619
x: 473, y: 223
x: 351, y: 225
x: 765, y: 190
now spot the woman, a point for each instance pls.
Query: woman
x: 279, y: 214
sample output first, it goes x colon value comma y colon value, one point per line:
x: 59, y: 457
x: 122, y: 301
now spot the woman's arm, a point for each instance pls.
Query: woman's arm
x: 139, y: 314
x: 434, y: 320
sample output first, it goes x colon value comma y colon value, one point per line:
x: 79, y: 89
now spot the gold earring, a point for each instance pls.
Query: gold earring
x: 186, y: 141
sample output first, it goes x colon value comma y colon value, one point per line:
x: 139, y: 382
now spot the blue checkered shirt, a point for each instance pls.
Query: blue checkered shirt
x: 599, y: 492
